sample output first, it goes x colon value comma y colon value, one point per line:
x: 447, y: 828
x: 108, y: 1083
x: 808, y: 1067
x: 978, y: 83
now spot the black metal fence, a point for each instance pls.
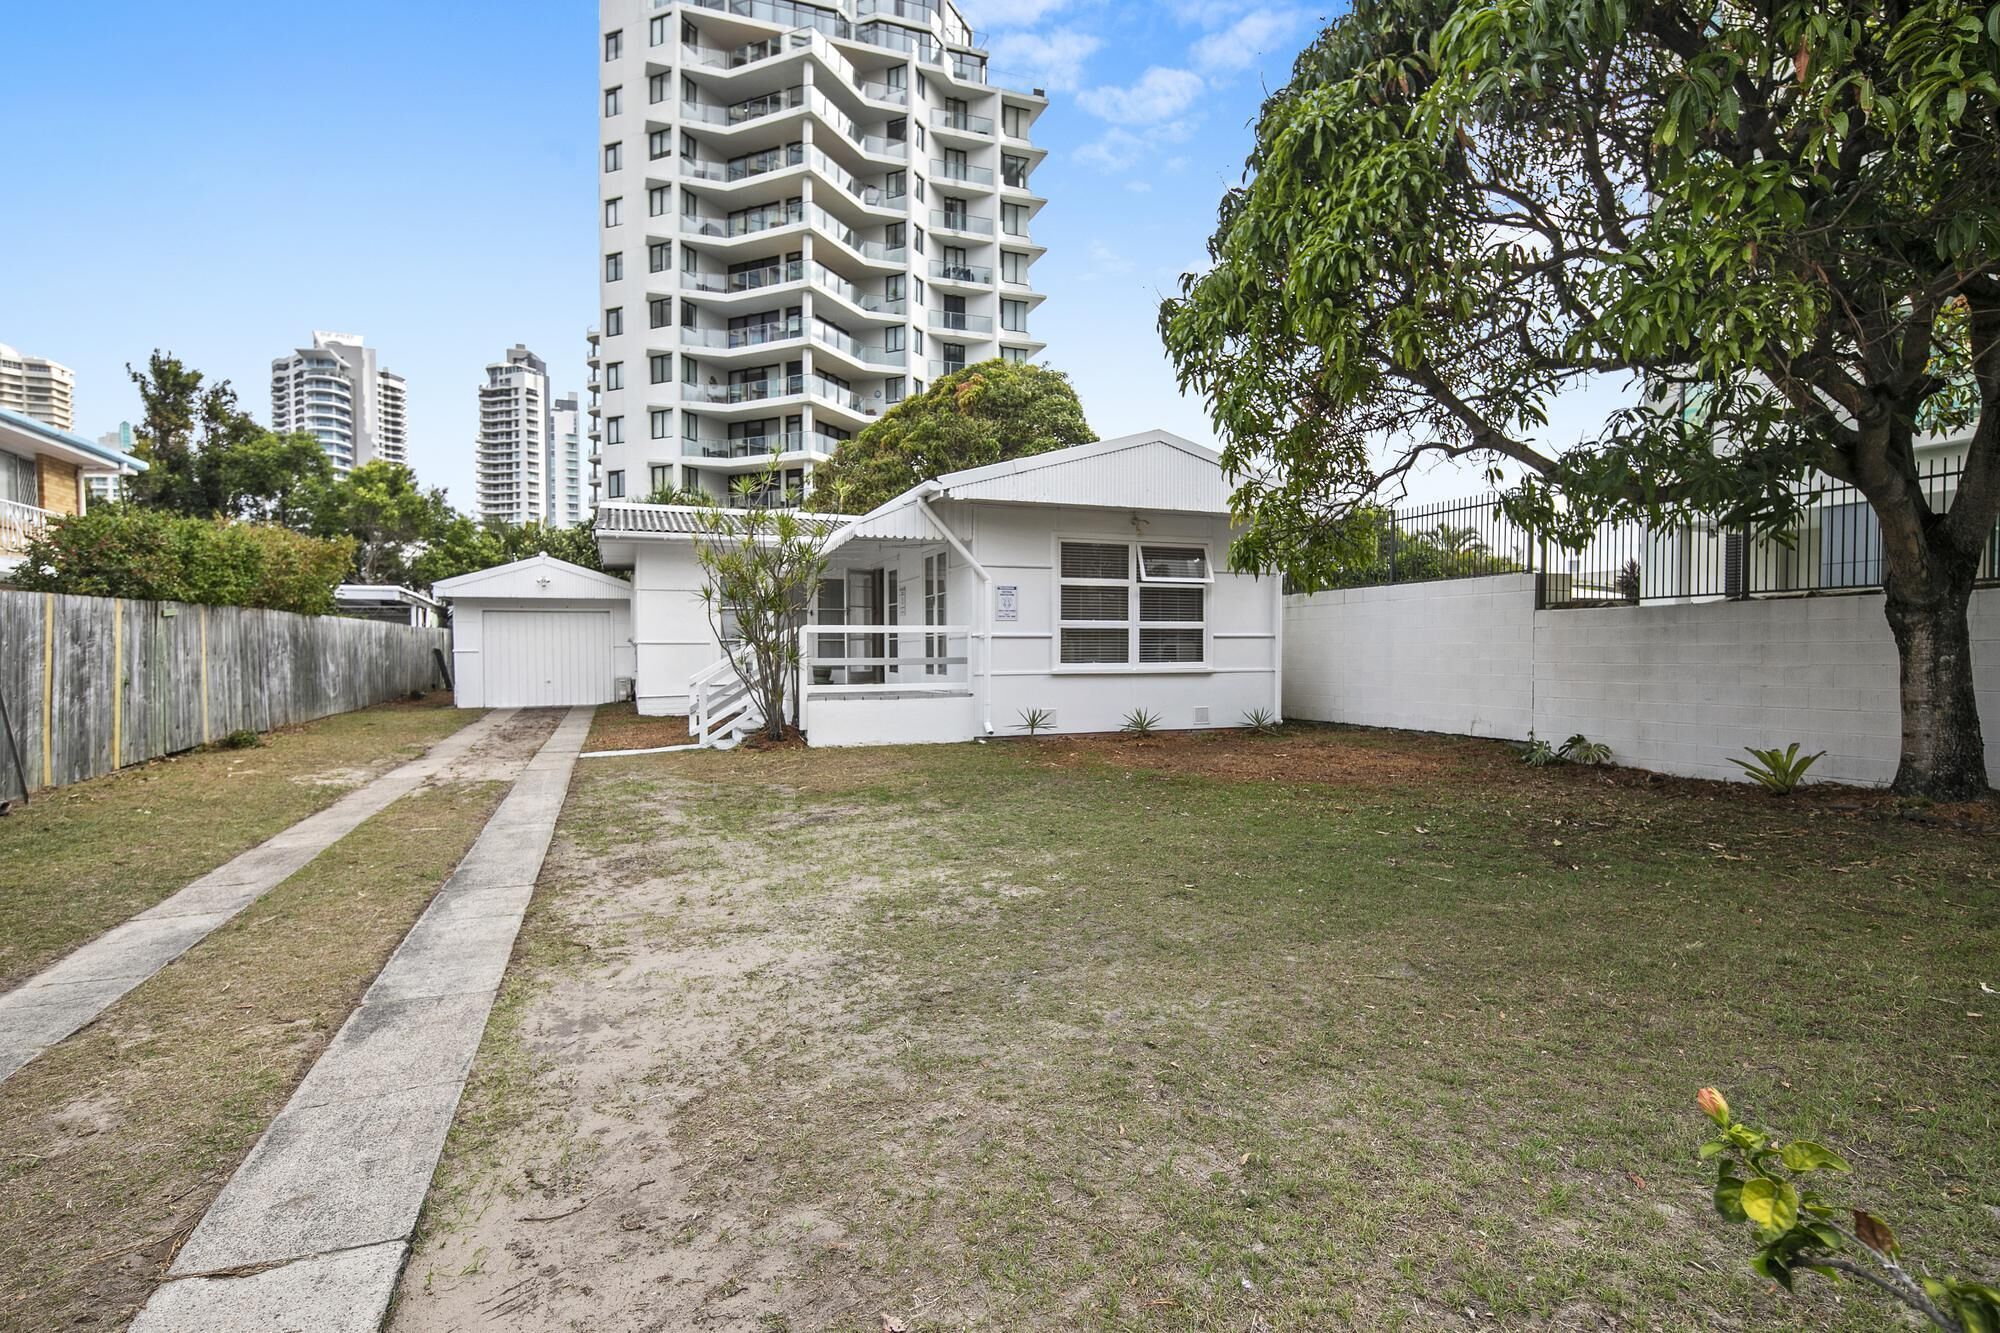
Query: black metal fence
x: 1836, y: 546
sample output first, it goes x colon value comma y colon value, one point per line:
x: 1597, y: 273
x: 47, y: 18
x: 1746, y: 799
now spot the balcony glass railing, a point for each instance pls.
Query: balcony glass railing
x: 885, y: 92
x: 747, y: 225
x: 953, y: 220
x: 842, y: 341
x: 962, y: 121
x: 748, y: 446
x: 877, y: 145
x: 946, y: 271
x: 961, y: 171
x: 970, y: 68
x: 749, y: 280
x: 754, y: 391
x: 961, y: 322
x: 754, y: 335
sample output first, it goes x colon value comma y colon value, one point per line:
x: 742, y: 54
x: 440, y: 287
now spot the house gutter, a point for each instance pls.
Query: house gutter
x: 923, y: 497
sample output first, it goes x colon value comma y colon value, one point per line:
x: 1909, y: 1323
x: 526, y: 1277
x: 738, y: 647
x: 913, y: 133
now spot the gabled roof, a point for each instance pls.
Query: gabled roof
x: 24, y: 432
x: 1152, y: 470
x: 539, y: 576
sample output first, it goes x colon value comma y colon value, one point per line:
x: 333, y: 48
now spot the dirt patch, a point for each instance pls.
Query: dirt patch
x: 590, y: 1213
x: 506, y: 750
x: 621, y: 727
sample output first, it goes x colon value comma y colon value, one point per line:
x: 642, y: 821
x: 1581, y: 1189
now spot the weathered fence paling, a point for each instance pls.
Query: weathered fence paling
x: 96, y: 683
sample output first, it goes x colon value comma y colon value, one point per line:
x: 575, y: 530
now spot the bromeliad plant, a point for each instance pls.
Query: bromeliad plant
x: 1779, y: 771
x: 1771, y: 1185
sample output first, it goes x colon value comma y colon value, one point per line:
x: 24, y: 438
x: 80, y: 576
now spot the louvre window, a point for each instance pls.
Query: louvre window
x: 1122, y: 604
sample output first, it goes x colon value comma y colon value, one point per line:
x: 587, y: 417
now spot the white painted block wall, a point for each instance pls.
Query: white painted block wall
x: 1675, y: 687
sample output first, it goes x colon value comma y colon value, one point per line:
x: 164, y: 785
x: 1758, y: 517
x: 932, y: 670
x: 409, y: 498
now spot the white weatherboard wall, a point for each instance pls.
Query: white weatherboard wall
x: 1676, y: 687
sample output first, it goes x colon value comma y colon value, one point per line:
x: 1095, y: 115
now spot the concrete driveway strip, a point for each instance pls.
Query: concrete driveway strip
x: 311, y: 1232
x: 66, y: 996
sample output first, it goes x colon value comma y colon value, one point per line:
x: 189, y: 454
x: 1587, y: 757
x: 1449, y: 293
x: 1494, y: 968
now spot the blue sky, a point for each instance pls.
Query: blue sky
x: 220, y: 179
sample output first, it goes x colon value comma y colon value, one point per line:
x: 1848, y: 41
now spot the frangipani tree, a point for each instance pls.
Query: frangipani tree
x: 1785, y: 217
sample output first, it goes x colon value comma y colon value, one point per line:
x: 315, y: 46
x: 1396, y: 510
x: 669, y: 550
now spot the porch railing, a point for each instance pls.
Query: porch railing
x: 888, y: 657
x: 19, y: 525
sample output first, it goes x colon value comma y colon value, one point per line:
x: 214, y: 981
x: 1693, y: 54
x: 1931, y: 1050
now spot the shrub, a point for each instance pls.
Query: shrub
x: 1779, y: 771
x: 240, y: 739
x: 1262, y: 721
x: 125, y: 551
x: 1772, y: 1185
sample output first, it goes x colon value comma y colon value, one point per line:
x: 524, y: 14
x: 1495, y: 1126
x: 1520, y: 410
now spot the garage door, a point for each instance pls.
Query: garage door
x: 543, y: 659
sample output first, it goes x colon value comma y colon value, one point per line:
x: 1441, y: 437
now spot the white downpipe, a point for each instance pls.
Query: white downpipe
x: 984, y: 632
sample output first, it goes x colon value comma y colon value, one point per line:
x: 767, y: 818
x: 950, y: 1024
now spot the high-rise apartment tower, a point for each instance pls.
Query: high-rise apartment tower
x: 514, y: 439
x: 336, y: 392
x: 807, y: 212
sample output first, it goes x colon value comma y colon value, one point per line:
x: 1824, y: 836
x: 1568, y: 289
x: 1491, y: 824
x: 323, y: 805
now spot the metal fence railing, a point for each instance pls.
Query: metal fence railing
x: 1836, y: 546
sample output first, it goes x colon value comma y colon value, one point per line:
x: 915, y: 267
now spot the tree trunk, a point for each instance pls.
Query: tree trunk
x: 1944, y: 752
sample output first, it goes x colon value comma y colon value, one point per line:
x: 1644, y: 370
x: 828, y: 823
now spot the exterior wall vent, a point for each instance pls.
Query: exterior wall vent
x: 1201, y: 717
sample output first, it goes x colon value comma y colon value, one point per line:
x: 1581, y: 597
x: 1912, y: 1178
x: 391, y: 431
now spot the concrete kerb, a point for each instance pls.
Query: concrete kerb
x: 344, y: 1168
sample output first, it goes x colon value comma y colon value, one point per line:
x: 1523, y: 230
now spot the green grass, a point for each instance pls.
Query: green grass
x: 114, y: 1143
x: 1372, y: 1033
x: 76, y: 861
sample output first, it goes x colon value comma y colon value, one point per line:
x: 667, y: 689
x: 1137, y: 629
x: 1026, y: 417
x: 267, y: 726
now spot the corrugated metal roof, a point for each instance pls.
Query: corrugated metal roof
x: 632, y: 519
x: 1154, y: 470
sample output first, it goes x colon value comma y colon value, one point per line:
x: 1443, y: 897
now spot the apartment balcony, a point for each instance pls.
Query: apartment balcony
x: 959, y: 171
x: 957, y: 321
x: 866, y: 357
x: 939, y: 369
x: 967, y: 224
x: 962, y: 123
x: 744, y: 339
x: 869, y: 304
x: 742, y: 284
x: 710, y: 227
x: 961, y: 275
x: 19, y: 525
x: 749, y: 446
x: 884, y: 92
x: 734, y: 395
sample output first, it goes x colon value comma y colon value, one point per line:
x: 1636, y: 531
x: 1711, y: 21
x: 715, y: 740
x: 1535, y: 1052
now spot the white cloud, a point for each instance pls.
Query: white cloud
x: 1238, y: 46
x: 1009, y: 13
x: 1120, y: 149
x: 1139, y: 187
x: 1052, y: 59
x: 1160, y: 95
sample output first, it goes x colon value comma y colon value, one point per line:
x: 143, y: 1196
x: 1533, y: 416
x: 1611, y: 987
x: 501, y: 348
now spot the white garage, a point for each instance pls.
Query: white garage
x: 539, y: 633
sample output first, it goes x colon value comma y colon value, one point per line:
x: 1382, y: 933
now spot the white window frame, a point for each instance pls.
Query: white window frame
x: 1135, y: 581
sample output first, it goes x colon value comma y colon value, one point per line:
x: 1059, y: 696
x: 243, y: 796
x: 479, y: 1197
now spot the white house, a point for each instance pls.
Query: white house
x: 538, y: 633
x: 1083, y: 584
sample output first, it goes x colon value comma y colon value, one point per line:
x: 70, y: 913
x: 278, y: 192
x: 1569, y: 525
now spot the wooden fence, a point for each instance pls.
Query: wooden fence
x: 93, y: 683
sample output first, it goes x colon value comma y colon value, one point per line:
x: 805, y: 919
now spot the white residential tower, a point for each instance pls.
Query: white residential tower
x: 335, y: 391
x: 567, y: 506
x: 514, y: 439
x: 808, y: 212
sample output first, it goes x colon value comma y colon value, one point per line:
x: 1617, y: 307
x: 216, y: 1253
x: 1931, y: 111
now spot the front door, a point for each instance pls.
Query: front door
x: 864, y: 607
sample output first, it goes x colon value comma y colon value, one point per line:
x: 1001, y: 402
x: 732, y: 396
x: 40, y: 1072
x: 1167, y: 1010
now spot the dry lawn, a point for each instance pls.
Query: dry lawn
x: 620, y: 727
x: 1335, y: 1029
x: 76, y: 861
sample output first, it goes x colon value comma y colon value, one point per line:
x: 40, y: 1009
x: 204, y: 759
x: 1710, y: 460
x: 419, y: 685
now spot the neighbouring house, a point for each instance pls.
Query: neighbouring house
x: 1082, y: 585
x: 390, y: 602
x: 44, y: 472
x: 538, y: 633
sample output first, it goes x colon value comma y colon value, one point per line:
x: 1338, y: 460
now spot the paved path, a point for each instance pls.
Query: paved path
x: 311, y: 1232
x: 56, y: 1002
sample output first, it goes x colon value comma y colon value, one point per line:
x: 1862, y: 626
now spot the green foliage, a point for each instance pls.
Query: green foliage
x: 761, y: 567
x: 390, y: 517
x: 1035, y: 720
x: 205, y: 457
x: 679, y: 495
x: 1782, y: 220
x: 986, y: 413
x: 1262, y: 721
x: 1140, y: 723
x: 1779, y: 771
x: 461, y: 546
x: 1578, y: 749
x: 1374, y: 550
x: 1773, y: 1187
x: 240, y: 739
x: 124, y: 550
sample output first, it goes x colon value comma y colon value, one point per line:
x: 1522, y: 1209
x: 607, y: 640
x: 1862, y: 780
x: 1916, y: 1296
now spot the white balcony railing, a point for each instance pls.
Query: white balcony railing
x: 887, y: 657
x: 20, y: 524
